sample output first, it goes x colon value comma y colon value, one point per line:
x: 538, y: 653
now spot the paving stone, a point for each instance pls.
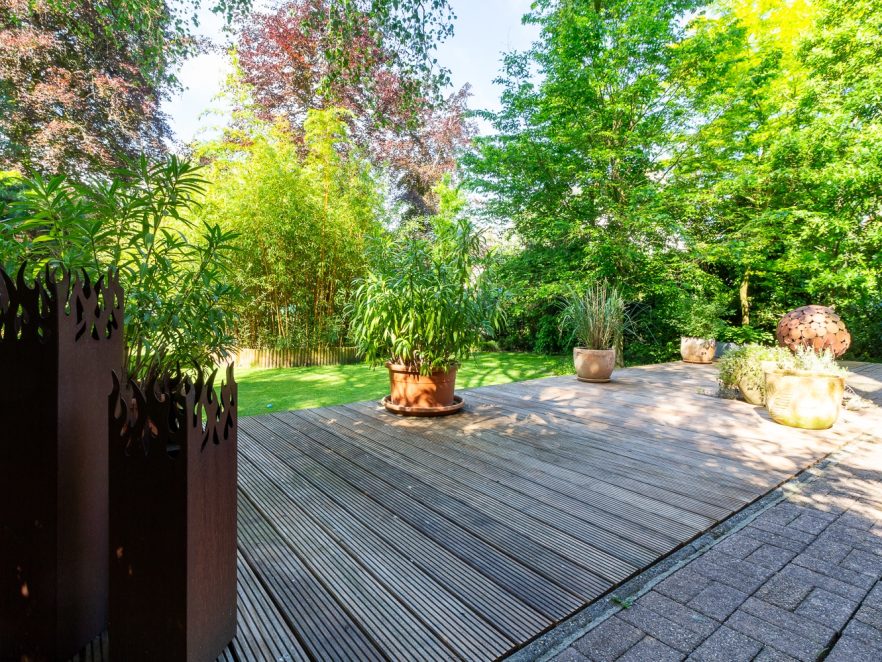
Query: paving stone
x: 771, y: 557
x: 769, y: 654
x: 874, y: 597
x: 789, y: 532
x: 731, y: 571
x: 865, y: 562
x: 680, y: 614
x: 739, y: 546
x: 827, y: 608
x: 870, y: 615
x: 609, y: 640
x: 774, y: 636
x: 865, y: 633
x: 726, y: 645
x: 829, y: 549
x: 837, y: 572
x: 849, y: 649
x: 782, y: 514
x: 814, y: 579
x: 775, y: 539
x: 785, y: 591
x: 571, y: 655
x: 683, y: 585
x: 864, y: 540
x: 788, y: 620
x: 663, y: 629
x: 718, y: 601
x: 856, y: 520
x: 651, y: 650
x: 809, y: 523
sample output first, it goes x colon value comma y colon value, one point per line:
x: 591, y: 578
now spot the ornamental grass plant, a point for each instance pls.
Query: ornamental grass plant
x: 596, y: 316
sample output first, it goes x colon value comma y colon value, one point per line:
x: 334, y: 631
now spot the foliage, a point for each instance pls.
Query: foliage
x: 745, y: 366
x: 596, y: 316
x: 700, y: 316
x: 81, y: 81
x: 821, y: 363
x: 303, y: 214
x: 137, y: 224
x: 746, y: 334
x: 372, y: 59
x: 429, y: 300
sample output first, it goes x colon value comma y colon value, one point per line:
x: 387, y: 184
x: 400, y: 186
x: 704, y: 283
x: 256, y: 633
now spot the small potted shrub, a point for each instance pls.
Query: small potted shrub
x: 809, y: 394
x: 700, y: 322
x: 744, y: 368
x: 421, y: 310
x: 596, y: 317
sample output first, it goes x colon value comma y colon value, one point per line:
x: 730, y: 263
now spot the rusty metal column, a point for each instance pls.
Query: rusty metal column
x: 60, y: 342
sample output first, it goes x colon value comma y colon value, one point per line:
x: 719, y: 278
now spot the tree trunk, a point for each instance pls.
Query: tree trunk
x: 745, y: 302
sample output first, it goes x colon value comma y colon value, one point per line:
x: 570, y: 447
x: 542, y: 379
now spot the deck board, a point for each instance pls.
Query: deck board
x: 363, y: 535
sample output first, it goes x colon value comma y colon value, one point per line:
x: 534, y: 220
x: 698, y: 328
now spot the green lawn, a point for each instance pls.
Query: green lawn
x: 263, y: 391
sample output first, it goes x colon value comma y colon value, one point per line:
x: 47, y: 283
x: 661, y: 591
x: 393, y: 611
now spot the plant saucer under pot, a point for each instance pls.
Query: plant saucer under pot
x: 594, y: 365
x: 415, y: 394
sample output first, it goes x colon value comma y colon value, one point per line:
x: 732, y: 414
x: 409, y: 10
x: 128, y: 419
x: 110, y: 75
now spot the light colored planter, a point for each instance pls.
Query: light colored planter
x: 698, y: 350
x: 594, y: 365
x: 804, y: 399
x: 754, y: 394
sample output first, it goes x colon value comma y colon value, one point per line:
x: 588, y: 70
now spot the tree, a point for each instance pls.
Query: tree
x: 372, y: 59
x: 303, y: 212
x: 586, y: 114
x: 81, y: 82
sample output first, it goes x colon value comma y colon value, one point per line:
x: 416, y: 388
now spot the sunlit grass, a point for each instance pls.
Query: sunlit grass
x: 264, y: 391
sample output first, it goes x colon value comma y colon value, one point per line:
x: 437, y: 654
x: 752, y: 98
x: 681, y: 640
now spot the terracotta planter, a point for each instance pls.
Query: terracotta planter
x: 698, y: 350
x: 594, y: 365
x: 804, y: 399
x: 421, y: 395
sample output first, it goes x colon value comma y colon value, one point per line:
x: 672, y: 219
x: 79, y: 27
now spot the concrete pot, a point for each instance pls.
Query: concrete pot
x: 594, y: 365
x: 698, y: 350
x: 752, y: 393
x: 804, y: 399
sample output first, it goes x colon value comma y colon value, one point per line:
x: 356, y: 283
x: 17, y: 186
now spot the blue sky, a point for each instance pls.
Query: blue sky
x: 485, y: 29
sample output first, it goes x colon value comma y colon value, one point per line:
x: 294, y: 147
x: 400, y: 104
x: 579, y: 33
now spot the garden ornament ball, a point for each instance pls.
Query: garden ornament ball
x: 815, y: 327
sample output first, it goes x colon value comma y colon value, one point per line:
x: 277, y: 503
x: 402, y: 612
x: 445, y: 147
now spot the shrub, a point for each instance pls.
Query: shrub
x: 595, y: 316
x: 744, y: 366
x: 429, y: 301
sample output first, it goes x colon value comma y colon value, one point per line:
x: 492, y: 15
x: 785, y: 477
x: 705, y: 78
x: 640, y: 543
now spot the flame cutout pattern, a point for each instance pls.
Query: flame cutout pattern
x: 169, y: 412
x: 33, y: 313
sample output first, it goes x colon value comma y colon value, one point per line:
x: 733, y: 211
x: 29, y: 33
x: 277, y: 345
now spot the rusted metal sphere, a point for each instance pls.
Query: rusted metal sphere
x: 817, y: 327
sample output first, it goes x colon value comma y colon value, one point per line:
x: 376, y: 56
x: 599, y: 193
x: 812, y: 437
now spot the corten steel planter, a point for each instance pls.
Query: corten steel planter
x: 804, y: 399
x: 413, y: 394
x: 698, y: 350
x: 594, y: 365
x: 60, y: 341
x: 172, y: 519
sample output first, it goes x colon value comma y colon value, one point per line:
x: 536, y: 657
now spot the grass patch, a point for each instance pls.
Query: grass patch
x: 282, y: 389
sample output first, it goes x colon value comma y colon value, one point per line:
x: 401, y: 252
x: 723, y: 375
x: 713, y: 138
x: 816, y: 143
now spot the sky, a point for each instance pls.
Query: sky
x: 484, y: 30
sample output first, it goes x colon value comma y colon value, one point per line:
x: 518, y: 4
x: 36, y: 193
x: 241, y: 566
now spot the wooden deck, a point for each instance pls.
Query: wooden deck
x: 367, y: 536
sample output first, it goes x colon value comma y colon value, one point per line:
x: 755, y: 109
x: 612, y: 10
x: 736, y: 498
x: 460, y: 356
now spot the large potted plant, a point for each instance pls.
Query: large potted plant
x: 596, y: 318
x: 700, y: 322
x: 745, y: 368
x: 809, y: 394
x: 422, y: 309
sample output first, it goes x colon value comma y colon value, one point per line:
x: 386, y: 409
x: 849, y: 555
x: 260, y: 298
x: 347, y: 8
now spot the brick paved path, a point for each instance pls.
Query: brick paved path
x: 800, y: 581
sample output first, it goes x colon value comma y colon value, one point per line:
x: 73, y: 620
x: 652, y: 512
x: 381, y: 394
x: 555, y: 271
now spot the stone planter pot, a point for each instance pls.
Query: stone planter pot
x: 594, y: 365
x: 804, y: 399
x: 751, y: 392
x: 172, y: 519
x: 60, y: 342
x: 413, y: 394
x: 697, y: 350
